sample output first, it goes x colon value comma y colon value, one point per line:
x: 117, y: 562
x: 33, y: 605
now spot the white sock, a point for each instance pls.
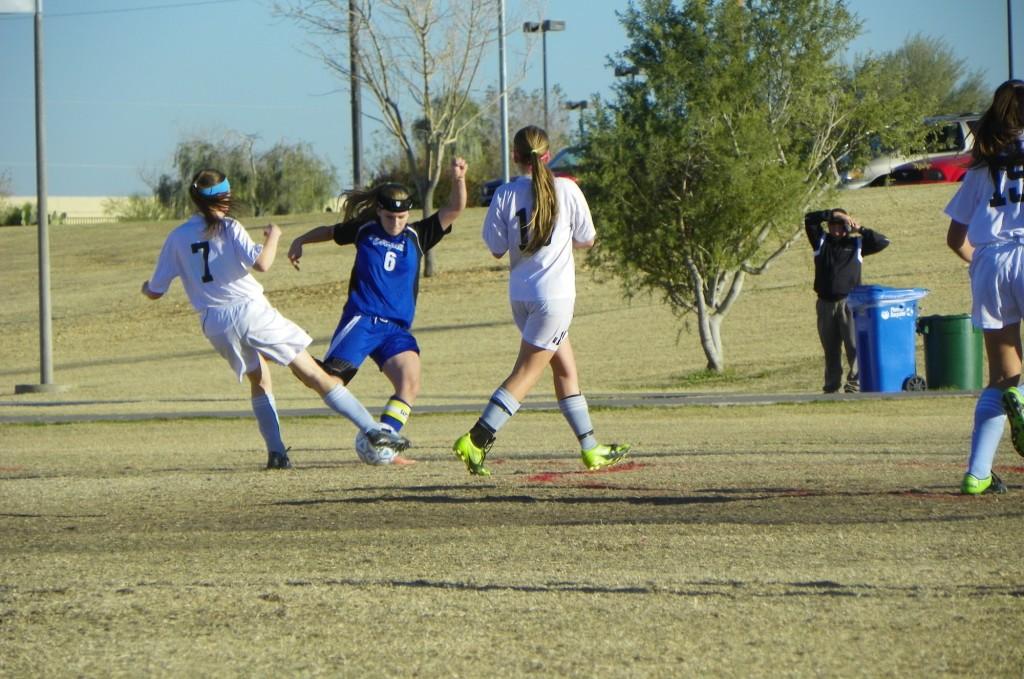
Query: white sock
x: 342, y: 401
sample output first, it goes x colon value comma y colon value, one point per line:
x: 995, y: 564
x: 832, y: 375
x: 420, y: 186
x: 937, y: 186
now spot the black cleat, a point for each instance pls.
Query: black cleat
x: 279, y: 460
x: 383, y: 436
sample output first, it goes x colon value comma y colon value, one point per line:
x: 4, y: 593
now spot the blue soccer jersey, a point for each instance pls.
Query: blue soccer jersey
x: 385, y: 276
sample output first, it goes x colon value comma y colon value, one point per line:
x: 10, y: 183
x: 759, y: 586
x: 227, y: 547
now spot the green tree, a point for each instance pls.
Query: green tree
x: 701, y: 168
x: 135, y: 208
x: 929, y: 71
x: 287, y: 178
x: 292, y: 179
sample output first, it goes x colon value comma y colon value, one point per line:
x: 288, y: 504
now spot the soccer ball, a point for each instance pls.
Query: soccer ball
x: 370, y: 455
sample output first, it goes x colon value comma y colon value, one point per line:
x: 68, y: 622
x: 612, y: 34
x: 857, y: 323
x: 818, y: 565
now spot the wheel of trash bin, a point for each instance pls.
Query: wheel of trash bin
x: 915, y: 383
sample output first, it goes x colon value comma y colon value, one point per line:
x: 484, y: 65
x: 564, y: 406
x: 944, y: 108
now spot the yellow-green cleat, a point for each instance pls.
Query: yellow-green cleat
x: 972, y: 485
x: 1013, y: 405
x: 472, y: 455
x: 603, y: 455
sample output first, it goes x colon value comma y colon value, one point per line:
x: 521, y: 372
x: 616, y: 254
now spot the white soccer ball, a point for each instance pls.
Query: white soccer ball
x: 370, y: 455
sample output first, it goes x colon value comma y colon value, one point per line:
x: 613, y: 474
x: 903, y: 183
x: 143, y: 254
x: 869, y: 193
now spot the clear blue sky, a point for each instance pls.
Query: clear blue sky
x: 126, y: 80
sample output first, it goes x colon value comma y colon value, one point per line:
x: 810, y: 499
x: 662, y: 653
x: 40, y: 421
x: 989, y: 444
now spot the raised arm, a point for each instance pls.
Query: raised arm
x: 271, y: 235
x: 457, y: 200
x: 812, y: 225
x: 316, y: 235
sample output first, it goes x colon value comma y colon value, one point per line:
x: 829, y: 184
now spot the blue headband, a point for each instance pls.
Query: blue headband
x: 216, y: 189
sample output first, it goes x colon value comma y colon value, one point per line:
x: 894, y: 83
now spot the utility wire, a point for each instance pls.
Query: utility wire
x: 177, y: 5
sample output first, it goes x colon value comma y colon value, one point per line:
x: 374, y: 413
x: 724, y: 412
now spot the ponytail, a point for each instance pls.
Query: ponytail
x: 531, y: 146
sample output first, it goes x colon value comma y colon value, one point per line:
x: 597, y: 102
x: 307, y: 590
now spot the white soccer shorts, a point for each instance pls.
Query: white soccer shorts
x: 997, y: 285
x: 241, y: 332
x: 544, y: 324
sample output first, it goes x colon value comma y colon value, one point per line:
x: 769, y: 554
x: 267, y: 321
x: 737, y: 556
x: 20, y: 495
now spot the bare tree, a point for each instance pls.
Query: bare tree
x: 417, y: 58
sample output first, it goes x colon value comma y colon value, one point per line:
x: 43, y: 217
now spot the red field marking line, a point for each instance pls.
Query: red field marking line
x: 552, y: 477
x: 922, y: 495
x: 18, y: 468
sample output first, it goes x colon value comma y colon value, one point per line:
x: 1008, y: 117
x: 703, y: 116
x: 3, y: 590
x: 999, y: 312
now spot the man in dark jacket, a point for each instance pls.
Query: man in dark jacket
x: 838, y: 253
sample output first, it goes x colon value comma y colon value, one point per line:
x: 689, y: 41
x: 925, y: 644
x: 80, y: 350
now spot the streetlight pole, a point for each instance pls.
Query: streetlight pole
x: 1009, y: 35
x: 356, y: 96
x: 543, y: 27
x: 45, y: 323
x: 502, y: 73
x: 577, y: 106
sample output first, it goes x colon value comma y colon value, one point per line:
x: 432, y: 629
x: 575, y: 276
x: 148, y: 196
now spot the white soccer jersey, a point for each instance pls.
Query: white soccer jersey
x: 990, y: 215
x: 550, y: 272
x: 214, y: 271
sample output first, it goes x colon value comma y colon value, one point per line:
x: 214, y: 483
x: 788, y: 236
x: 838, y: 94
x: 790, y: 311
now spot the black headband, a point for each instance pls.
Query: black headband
x: 394, y: 204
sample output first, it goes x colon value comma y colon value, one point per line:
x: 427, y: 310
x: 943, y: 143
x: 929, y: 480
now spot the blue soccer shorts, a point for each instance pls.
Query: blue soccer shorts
x: 360, y: 336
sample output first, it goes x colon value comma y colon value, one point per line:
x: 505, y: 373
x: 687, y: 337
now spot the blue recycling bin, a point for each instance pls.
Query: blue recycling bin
x: 886, y: 320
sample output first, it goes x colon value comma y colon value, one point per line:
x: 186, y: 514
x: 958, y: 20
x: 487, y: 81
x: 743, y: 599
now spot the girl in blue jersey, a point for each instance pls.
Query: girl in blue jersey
x: 212, y: 255
x: 987, y: 230
x: 377, y: 318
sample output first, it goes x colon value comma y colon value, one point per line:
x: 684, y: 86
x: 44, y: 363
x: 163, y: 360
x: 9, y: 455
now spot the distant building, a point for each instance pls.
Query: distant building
x: 68, y: 209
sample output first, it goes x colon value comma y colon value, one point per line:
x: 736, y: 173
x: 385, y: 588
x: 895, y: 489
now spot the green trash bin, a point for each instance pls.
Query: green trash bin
x: 953, y: 354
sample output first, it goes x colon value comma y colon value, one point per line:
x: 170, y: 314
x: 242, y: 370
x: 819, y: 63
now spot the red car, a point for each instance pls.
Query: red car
x: 936, y: 170
x: 947, y: 145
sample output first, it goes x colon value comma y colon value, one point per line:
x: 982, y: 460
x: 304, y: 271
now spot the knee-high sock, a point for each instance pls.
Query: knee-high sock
x: 989, y: 421
x: 265, y: 410
x: 342, y: 401
x: 498, y: 411
x: 577, y: 414
x: 396, y: 413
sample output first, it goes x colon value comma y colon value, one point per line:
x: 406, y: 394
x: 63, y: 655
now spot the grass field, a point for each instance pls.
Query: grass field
x: 823, y: 538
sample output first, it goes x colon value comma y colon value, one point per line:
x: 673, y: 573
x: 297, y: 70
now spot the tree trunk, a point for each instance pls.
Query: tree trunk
x: 710, y: 330
x: 428, y: 209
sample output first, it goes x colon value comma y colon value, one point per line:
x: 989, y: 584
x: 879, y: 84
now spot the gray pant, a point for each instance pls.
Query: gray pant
x: 836, y: 332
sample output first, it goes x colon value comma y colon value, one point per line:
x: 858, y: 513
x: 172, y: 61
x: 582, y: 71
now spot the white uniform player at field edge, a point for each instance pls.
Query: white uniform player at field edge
x: 987, y: 231
x: 212, y: 253
x: 538, y: 220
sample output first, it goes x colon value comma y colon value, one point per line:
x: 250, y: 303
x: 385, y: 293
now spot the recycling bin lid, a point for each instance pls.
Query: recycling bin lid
x: 876, y: 295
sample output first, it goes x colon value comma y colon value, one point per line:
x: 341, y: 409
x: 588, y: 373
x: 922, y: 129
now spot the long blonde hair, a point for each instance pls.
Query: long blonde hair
x: 529, y: 146
x: 207, y: 203
x: 363, y: 203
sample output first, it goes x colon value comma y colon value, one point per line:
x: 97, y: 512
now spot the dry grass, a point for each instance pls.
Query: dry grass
x: 814, y: 539
x: 744, y: 541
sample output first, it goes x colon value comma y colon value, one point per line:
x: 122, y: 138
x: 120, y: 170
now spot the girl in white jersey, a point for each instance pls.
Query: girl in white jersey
x: 987, y: 231
x: 212, y: 254
x: 538, y: 220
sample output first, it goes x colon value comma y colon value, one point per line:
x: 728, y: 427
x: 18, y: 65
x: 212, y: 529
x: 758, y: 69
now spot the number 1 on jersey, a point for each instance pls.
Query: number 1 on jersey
x: 524, y: 230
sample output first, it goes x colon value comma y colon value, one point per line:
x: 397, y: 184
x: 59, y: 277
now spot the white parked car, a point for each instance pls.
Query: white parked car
x: 948, y: 144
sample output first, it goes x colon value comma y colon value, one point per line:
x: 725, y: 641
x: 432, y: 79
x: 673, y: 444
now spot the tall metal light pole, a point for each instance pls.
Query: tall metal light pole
x: 1009, y: 35
x: 45, y: 324
x: 505, y: 169
x: 543, y: 27
x: 356, y: 95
